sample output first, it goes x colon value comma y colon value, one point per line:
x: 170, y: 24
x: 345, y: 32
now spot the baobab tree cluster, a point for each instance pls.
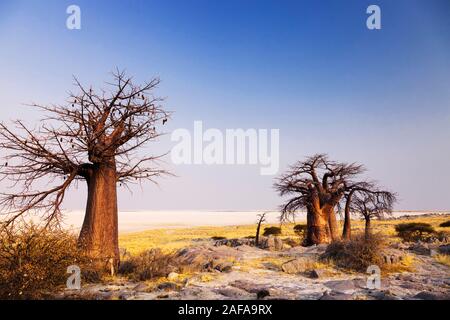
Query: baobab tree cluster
x: 96, y: 136
x: 321, y: 187
x: 93, y: 137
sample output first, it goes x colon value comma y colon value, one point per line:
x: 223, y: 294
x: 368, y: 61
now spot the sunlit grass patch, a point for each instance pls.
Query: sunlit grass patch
x: 178, y: 238
x: 443, y: 259
x: 387, y: 227
x: 271, y: 263
x: 405, y: 265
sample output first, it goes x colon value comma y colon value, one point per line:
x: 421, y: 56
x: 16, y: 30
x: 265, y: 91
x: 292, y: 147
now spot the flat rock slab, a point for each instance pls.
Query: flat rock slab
x: 424, y: 295
x: 341, y: 286
x: 141, y: 287
x: 249, y: 286
x: 317, y: 273
x: 168, y: 286
x: 233, y: 293
x: 296, y: 266
x: 209, y: 257
x: 336, y: 296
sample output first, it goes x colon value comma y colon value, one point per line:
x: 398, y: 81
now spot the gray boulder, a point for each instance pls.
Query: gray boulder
x: 141, y: 287
x: 317, y: 274
x: 249, y: 286
x: 424, y: 295
x: 444, y: 249
x: 206, y: 258
x: 296, y: 266
x: 420, y: 248
x: 235, y: 242
x: 392, y: 256
x: 168, y: 286
x: 274, y: 243
x: 222, y: 266
x: 232, y: 293
x: 173, y: 276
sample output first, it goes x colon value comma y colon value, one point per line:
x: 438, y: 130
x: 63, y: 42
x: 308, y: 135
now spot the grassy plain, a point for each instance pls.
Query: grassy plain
x: 177, y: 238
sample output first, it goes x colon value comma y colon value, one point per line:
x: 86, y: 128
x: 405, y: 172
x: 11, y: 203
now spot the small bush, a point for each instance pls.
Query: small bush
x: 445, y: 224
x: 405, y: 265
x: 276, y: 231
x: 356, y: 254
x: 127, y: 267
x: 415, y: 231
x: 443, y: 259
x: 148, y: 265
x: 301, y: 231
x: 34, y: 261
x: 216, y: 238
x: 441, y: 236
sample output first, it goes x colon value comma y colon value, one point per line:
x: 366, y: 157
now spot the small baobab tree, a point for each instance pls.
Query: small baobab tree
x: 370, y: 192
x: 372, y: 205
x: 94, y: 137
x: 261, y: 218
x: 318, y: 185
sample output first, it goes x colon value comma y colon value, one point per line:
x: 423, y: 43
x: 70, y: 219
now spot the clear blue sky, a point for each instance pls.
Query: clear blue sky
x: 310, y: 68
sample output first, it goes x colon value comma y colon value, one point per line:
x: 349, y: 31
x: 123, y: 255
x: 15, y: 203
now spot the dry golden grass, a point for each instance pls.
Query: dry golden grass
x: 406, y: 265
x: 273, y: 263
x: 34, y: 261
x: 207, y: 277
x: 176, y: 238
x: 149, y: 264
x: 387, y: 227
x: 443, y: 259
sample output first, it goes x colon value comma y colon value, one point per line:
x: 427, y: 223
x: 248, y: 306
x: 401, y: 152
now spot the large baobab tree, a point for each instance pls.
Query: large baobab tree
x: 94, y: 137
x: 319, y: 185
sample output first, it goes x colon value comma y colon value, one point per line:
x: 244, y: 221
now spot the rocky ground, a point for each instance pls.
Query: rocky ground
x: 241, y: 271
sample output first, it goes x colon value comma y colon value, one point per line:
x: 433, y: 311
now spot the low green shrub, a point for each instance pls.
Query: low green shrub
x: 215, y: 238
x: 300, y: 229
x: 276, y: 231
x: 415, y: 231
x: 445, y: 224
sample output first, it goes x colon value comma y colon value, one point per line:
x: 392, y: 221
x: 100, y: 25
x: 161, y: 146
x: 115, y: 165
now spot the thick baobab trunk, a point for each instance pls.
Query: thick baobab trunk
x: 332, y: 223
x: 99, y: 234
x: 367, y: 229
x: 318, y: 228
x: 347, y: 232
